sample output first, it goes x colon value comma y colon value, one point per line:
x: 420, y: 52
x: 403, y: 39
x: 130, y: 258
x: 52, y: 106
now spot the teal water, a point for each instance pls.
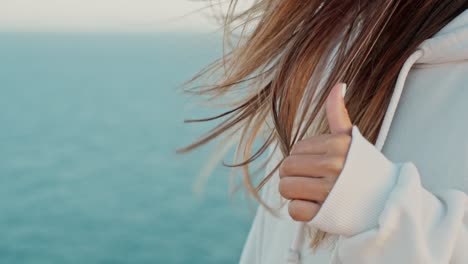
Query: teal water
x: 88, y: 173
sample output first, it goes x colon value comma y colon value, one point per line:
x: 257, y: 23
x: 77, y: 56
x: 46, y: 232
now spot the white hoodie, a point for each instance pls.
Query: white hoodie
x: 404, y: 199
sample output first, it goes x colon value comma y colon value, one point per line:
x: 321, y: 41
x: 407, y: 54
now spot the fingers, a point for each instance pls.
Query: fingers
x: 311, y: 166
x: 312, y: 145
x: 323, y: 144
x: 337, y: 114
x: 302, y: 211
x: 302, y: 188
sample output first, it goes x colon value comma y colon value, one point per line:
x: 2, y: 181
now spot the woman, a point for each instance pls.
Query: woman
x: 363, y: 108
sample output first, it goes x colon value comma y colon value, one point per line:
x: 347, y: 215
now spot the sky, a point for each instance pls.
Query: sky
x: 104, y: 15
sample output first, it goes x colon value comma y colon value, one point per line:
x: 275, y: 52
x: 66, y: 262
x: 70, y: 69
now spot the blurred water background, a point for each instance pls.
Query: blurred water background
x: 88, y: 170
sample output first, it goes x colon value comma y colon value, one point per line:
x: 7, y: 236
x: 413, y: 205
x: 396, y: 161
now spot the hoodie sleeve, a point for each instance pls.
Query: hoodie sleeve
x: 383, y: 214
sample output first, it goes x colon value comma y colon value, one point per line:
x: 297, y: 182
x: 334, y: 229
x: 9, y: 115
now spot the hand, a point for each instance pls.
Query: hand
x: 309, y: 173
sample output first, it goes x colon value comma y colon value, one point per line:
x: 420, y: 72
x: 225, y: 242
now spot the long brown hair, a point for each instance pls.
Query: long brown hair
x: 289, y: 54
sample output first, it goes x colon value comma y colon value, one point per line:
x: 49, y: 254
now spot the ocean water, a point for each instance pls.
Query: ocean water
x: 88, y: 170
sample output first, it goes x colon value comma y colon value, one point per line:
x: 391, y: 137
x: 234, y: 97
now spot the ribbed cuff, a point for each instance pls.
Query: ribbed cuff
x: 360, y: 192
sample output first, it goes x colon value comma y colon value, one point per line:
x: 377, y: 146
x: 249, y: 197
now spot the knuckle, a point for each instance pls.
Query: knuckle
x: 296, y: 147
x: 286, y: 166
x: 325, y: 187
x: 339, y: 141
x: 284, y: 187
x: 334, y: 164
x: 345, y: 139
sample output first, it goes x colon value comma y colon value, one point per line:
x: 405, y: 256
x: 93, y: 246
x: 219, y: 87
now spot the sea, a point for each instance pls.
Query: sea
x: 89, y: 125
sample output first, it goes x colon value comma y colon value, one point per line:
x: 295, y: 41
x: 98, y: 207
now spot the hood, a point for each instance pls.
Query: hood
x: 448, y: 45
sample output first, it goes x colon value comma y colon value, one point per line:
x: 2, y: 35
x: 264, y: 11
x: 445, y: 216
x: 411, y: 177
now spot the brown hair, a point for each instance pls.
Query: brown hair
x: 290, y: 53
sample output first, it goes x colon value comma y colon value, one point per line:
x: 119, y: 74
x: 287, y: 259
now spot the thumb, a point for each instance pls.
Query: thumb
x: 337, y: 114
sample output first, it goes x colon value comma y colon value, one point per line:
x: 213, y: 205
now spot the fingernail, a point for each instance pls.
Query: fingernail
x: 343, y: 89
